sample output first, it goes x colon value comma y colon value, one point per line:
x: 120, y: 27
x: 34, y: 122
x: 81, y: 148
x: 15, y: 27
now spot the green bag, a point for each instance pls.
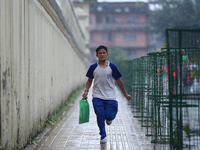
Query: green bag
x: 84, y: 111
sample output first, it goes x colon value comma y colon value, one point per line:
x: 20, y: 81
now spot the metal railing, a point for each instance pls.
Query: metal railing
x: 165, y: 91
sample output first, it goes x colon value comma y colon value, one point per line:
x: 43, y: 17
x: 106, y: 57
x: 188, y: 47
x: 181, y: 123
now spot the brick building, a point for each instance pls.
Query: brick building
x: 120, y: 25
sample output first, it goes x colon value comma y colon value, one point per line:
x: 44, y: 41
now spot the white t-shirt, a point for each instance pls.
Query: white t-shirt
x: 104, y: 80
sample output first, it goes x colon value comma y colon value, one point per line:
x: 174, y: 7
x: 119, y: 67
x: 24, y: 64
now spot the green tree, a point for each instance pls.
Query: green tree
x: 174, y: 14
x: 115, y: 55
x: 90, y: 0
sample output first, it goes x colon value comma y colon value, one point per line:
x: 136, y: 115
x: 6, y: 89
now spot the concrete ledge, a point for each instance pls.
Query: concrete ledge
x: 53, y: 9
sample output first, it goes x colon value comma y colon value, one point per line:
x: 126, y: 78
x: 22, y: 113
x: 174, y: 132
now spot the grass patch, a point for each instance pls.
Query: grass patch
x: 19, y: 147
x: 57, y: 115
x: 1, y: 148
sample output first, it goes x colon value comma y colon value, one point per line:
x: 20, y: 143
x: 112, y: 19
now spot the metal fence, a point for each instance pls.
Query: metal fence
x: 165, y: 91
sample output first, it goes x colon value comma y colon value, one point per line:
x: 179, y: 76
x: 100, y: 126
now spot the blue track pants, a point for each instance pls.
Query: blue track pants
x: 104, y: 109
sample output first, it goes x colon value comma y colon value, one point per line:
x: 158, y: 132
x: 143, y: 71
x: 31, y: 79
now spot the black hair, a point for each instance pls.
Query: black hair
x: 101, y: 47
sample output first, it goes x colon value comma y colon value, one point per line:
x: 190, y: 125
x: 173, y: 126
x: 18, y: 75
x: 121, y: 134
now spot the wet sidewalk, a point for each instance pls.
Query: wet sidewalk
x: 125, y: 132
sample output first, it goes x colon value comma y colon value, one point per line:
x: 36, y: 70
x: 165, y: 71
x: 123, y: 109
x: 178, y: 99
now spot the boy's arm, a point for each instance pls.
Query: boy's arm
x: 87, y: 87
x: 121, y: 86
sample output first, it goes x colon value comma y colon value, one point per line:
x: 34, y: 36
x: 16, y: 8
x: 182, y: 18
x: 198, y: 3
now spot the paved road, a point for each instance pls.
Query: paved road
x: 125, y: 133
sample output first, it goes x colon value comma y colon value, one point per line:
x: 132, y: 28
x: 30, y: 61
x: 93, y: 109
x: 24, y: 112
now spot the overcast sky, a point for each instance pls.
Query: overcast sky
x: 122, y: 0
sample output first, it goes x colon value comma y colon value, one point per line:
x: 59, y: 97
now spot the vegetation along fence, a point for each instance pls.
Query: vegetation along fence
x: 165, y: 90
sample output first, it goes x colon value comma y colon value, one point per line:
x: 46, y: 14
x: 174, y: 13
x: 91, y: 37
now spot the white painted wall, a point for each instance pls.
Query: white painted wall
x: 41, y: 63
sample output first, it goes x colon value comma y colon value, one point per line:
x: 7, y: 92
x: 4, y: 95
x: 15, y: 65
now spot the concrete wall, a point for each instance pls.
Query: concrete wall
x: 42, y: 60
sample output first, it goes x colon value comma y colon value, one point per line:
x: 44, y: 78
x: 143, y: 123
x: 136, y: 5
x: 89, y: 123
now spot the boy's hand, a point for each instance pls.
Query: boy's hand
x: 128, y: 96
x: 85, y: 94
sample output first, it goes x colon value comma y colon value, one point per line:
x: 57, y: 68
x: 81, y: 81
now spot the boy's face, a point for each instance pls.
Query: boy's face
x: 102, y: 55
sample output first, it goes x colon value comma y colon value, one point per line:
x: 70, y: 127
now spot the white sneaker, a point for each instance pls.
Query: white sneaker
x: 104, y: 140
x: 108, y: 122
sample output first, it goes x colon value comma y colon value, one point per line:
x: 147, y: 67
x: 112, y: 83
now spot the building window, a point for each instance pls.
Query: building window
x: 91, y: 37
x: 91, y: 20
x: 98, y: 19
x: 132, y: 19
x: 112, y: 19
x: 129, y: 37
x: 108, y: 37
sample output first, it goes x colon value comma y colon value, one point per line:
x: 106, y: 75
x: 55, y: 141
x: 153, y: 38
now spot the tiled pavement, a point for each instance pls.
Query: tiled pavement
x: 125, y: 133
